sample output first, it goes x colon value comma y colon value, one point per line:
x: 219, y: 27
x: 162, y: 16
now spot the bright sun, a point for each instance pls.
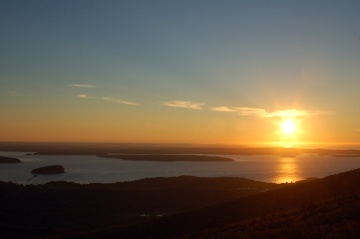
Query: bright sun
x: 288, y: 126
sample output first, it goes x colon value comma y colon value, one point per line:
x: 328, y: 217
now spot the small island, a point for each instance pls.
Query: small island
x: 166, y: 157
x: 9, y: 160
x: 52, y: 169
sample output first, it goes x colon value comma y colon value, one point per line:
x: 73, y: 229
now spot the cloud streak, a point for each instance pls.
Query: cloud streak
x: 13, y: 93
x: 184, y: 104
x: 223, y: 109
x: 106, y: 98
x: 83, y: 85
x: 118, y: 101
x: 259, y: 112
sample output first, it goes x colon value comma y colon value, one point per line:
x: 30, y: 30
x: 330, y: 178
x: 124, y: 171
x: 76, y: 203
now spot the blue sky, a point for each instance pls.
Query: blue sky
x: 271, y: 55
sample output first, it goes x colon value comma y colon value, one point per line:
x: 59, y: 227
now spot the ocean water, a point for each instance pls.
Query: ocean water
x: 92, y: 169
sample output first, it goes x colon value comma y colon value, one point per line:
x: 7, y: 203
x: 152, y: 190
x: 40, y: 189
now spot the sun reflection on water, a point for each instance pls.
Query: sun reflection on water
x: 287, y: 170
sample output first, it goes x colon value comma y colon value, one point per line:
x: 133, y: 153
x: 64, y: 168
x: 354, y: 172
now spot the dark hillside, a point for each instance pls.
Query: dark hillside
x: 59, y: 208
x: 294, y: 197
x: 183, y: 207
x: 333, y: 218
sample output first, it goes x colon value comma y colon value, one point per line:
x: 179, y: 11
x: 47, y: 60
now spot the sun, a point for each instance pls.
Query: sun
x: 288, y: 127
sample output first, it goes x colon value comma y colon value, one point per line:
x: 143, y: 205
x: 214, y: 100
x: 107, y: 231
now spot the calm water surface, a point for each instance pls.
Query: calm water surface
x: 90, y: 169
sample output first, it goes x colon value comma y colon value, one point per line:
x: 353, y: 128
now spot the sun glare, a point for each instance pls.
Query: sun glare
x: 288, y: 127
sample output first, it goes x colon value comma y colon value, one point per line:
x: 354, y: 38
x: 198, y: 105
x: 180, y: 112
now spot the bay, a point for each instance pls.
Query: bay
x: 91, y: 169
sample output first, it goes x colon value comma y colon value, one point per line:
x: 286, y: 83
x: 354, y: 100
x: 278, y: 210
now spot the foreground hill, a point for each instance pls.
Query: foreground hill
x: 311, y: 203
x: 63, y: 208
x: 337, y: 217
x: 184, y: 207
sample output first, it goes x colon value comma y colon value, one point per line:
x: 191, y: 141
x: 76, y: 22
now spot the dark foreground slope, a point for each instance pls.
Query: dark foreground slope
x: 337, y: 217
x: 184, y: 207
x: 63, y: 208
x: 312, y: 202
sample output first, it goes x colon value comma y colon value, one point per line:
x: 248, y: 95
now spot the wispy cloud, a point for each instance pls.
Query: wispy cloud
x: 13, y: 93
x: 118, y: 101
x: 252, y: 111
x: 83, y: 96
x: 106, y: 98
x: 297, y: 113
x: 223, y: 109
x: 184, y: 104
x: 247, y: 111
x: 83, y: 85
x: 259, y: 112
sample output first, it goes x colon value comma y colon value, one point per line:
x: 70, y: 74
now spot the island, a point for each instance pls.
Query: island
x: 9, y: 160
x: 52, y: 169
x: 166, y: 157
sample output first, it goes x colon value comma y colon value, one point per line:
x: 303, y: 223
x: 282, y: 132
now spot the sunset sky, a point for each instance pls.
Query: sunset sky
x: 227, y: 72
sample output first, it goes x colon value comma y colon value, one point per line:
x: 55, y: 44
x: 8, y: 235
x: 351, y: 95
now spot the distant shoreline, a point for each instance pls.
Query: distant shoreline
x: 198, y: 151
x: 346, y: 155
x: 167, y: 157
x: 163, y: 149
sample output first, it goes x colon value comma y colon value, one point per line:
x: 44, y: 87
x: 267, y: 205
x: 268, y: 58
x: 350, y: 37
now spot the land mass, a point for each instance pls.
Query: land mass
x: 347, y: 155
x: 127, y: 149
x: 9, y: 160
x: 69, y: 209
x: 184, y: 207
x: 165, y: 157
x: 52, y: 169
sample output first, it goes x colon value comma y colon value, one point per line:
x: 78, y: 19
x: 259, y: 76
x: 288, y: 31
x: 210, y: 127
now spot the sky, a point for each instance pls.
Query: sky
x: 219, y: 72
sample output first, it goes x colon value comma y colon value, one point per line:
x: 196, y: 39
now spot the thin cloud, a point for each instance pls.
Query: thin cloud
x: 118, y: 101
x: 13, y: 93
x: 223, y: 109
x: 252, y: 111
x: 106, y: 98
x: 296, y: 113
x: 83, y: 85
x: 184, y: 104
x: 83, y: 96
x: 259, y: 112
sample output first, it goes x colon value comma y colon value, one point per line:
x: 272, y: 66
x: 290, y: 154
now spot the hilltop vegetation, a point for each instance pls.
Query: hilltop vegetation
x: 330, y: 205
x: 64, y: 208
x: 337, y: 217
x: 183, y: 207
